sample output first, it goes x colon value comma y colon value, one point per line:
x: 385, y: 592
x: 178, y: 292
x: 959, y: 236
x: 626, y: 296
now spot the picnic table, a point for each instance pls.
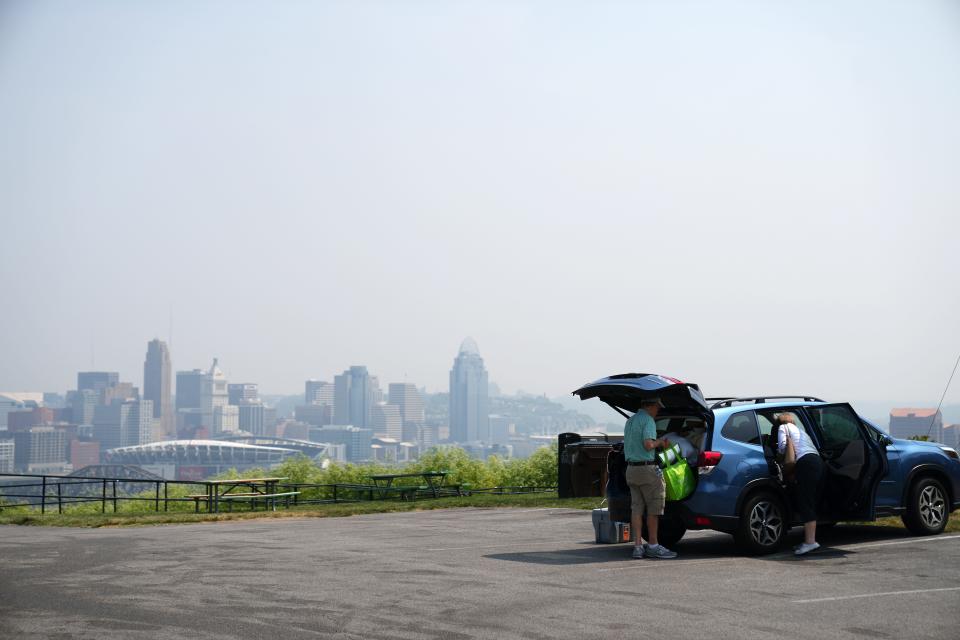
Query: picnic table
x: 218, y: 491
x: 432, y: 481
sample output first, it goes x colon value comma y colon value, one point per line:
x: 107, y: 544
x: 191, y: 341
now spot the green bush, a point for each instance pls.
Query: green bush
x: 539, y: 470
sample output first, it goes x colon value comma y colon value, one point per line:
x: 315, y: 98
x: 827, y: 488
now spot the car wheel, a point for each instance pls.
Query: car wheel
x: 927, y: 511
x: 763, y: 524
x: 668, y: 533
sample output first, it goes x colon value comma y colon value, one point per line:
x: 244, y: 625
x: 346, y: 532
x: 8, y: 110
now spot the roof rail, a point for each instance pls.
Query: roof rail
x: 729, y: 402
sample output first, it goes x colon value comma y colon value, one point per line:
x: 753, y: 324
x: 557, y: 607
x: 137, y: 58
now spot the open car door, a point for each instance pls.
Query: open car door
x: 854, y: 461
x: 625, y: 392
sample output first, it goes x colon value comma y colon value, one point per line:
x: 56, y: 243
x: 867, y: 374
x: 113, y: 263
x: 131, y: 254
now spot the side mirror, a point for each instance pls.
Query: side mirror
x: 887, y: 441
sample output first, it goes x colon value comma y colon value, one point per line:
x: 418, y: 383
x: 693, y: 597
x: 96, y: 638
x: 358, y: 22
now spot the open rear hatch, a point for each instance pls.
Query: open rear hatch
x: 625, y: 392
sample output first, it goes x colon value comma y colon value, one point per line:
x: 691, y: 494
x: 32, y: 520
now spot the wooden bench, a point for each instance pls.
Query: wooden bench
x: 230, y: 497
x: 268, y: 498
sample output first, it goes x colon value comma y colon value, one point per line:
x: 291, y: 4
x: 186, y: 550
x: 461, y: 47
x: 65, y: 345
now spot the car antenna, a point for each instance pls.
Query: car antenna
x: 933, y: 420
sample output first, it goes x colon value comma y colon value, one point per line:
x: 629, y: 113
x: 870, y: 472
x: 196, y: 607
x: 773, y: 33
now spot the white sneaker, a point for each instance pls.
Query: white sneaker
x: 660, y: 552
x: 804, y: 549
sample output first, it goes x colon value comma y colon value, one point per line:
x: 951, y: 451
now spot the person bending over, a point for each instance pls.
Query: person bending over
x: 808, y: 472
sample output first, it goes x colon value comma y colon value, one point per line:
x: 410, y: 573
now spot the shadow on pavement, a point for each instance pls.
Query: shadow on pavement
x: 713, y: 545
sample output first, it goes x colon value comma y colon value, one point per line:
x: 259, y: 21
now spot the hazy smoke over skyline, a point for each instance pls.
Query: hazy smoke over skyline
x: 754, y: 197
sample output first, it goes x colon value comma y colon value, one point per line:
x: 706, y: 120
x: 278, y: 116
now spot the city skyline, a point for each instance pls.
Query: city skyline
x: 547, y: 185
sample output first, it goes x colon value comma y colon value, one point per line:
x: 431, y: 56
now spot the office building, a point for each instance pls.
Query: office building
x: 468, y: 395
x: 189, y: 389
x: 226, y: 419
x: 907, y: 423
x: 82, y: 404
x: 318, y: 415
x: 119, y: 391
x: 34, y: 417
x: 355, y: 391
x: 361, y: 396
x: 407, y: 398
x: 189, y: 401
x: 7, y: 446
x: 252, y: 417
x: 318, y: 392
x: 341, y: 399
x: 386, y: 422
x: 242, y: 392
x: 157, y: 388
x: 213, y: 395
x: 123, y: 423
x: 357, y: 440
x: 84, y: 453
x: 428, y: 435
x: 41, y: 450
x: 97, y: 380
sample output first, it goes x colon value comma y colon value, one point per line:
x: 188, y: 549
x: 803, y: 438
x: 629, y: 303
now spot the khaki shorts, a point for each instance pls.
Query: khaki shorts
x: 647, y: 489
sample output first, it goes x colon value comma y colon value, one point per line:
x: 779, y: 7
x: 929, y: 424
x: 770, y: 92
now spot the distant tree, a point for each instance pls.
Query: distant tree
x: 920, y: 438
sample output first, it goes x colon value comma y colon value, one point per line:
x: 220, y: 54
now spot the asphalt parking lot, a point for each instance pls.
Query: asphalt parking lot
x: 497, y: 573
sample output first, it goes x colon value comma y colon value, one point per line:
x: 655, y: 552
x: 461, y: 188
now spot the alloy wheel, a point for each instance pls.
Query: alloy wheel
x: 932, y: 506
x: 766, y: 523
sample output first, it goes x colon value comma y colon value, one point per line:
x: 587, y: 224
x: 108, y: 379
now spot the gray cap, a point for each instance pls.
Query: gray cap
x: 655, y: 400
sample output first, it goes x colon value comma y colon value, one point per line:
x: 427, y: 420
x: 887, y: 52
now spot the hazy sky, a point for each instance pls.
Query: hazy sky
x: 758, y: 196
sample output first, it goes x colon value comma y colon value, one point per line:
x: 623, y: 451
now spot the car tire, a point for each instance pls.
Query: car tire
x: 927, y: 511
x: 668, y: 533
x: 763, y: 524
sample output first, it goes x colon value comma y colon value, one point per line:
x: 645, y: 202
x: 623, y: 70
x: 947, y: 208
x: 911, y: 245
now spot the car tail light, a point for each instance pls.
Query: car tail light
x: 707, y: 460
x: 702, y: 521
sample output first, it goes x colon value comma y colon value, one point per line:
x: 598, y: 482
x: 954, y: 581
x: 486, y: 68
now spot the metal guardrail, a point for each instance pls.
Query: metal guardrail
x: 48, y: 491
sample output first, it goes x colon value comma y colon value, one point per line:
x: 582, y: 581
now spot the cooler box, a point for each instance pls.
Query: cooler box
x: 607, y: 530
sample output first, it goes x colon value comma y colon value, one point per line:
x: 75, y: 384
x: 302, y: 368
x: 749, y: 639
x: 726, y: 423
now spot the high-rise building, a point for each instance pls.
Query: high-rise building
x: 252, y: 417
x: 226, y: 418
x: 355, y: 391
x: 97, y: 380
x: 318, y: 392
x: 341, y: 399
x: 242, y: 392
x: 82, y: 403
x: 189, y: 389
x: 385, y: 420
x: 406, y: 396
x: 7, y: 447
x: 907, y: 423
x: 123, y: 423
x: 156, y: 388
x: 469, y: 420
x: 214, y: 396
x: 361, y: 396
x: 119, y: 391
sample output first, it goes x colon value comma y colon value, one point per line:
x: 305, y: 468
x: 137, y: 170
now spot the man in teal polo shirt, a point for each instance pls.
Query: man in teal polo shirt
x: 645, y: 479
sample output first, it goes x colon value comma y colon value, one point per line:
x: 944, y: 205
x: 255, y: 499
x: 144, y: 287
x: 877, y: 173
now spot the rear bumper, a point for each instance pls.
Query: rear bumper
x: 693, y: 520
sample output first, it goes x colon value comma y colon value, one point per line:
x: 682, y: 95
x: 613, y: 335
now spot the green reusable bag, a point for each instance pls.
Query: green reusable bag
x: 677, y: 474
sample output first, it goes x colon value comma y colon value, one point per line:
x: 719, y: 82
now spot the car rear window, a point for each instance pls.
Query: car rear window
x: 742, y: 427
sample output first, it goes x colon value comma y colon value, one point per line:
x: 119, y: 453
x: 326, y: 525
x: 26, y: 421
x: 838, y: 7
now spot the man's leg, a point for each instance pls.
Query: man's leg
x: 636, y: 520
x: 653, y: 522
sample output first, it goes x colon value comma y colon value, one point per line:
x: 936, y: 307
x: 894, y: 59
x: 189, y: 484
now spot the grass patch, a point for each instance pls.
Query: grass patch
x: 22, y: 516
x: 953, y: 524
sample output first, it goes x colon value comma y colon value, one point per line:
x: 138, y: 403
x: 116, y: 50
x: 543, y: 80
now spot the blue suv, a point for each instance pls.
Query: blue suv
x: 740, y: 488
